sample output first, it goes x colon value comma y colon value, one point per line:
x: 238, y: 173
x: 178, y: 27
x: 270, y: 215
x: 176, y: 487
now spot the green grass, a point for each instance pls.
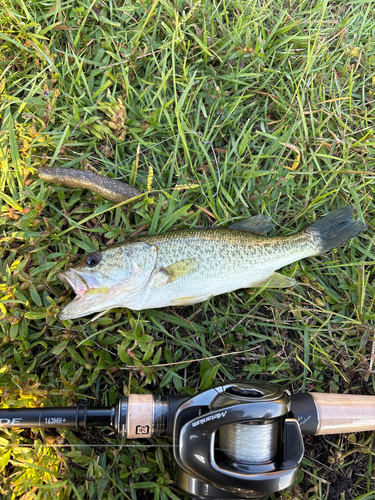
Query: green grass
x: 285, y: 93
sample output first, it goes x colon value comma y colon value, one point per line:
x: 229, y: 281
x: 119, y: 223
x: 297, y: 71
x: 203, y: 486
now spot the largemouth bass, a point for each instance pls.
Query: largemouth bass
x: 189, y: 266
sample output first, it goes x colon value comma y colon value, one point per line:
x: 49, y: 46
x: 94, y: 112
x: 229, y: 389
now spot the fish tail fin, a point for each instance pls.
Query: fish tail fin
x: 336, y: 228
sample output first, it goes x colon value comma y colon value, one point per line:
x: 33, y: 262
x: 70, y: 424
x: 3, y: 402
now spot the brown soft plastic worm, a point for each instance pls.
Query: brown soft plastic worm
x: 106, y: 187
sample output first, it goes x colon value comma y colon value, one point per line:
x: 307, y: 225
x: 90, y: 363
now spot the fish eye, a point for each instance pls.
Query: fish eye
x: 93, y: 259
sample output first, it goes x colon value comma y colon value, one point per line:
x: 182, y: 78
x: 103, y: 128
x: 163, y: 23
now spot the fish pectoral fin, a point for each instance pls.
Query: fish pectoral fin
x: 102, y: 313
x: 276, y: 280
x: 180, y: 268
x: 259, y: 224
x: 189, y: 301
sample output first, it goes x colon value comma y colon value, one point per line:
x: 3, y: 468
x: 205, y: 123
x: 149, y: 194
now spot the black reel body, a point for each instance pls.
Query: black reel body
x: 239, y: 440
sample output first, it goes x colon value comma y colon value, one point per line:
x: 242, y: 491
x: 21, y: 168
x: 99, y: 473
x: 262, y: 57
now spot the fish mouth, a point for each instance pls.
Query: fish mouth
x: 82, y: 284
x: 75, y: 280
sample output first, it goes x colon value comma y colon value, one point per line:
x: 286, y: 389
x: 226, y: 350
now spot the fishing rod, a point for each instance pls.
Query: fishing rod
x: 240, y: 440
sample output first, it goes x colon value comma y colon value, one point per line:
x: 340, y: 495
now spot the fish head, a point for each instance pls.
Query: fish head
x: 107, y: 279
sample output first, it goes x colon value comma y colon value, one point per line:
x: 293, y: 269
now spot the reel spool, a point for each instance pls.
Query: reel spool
x: 239, y: 440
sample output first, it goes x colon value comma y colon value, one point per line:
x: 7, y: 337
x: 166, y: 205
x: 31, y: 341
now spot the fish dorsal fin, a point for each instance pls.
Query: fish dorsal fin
x: 259, y: 224
x: 276, y: 280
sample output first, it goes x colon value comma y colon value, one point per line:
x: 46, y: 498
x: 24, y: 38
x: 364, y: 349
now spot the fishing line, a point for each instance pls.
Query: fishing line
x: 33, y: 446
x: 88, y: 338
x: 93, y: 158
x: 131, y: 367
x: 250, y: 443
x: 237, y: 457
x: 217, y: 163
x: 168, y: 139
x: 146, y: 149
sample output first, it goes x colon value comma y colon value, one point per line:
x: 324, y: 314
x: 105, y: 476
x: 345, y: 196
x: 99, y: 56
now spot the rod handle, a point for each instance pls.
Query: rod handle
x: 323, y: 413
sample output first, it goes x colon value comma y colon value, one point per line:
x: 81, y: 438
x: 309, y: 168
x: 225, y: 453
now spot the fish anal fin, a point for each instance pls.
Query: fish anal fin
x: 180, y: 268
x: 189, y: 301
x: 276, y: 280
x: 259, y: 224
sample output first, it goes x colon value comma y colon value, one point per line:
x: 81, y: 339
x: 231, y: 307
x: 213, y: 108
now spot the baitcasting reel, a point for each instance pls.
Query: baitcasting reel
x: 241, y: 440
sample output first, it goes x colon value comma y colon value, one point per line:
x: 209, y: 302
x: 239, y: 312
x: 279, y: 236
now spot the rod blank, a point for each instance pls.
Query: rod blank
x: 77, y: 417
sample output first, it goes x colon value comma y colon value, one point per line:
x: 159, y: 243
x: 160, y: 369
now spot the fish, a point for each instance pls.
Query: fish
x: 106, y: 187
x: 184, y: 267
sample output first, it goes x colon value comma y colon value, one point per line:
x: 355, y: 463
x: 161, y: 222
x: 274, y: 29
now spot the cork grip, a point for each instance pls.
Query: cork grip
x: 140, y: 416
x: 341, y: 413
